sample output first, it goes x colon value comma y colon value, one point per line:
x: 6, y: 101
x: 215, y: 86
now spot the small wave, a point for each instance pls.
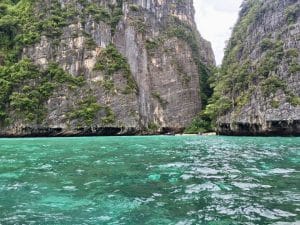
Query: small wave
x: 248, y: 186
x: 197, y: 188
x: 281, y: 171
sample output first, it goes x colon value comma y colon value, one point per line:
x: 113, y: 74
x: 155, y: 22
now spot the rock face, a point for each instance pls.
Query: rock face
x: 257, y: 92
x: 101, y: 67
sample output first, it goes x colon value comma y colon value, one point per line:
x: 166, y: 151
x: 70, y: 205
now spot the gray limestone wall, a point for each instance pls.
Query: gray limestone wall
x: 167, y: 97
x: 260, y: 115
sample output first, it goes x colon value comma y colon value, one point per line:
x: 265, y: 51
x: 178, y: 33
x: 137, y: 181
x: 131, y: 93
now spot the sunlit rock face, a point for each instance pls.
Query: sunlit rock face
x: 262, y: 63
x: 139, y: 61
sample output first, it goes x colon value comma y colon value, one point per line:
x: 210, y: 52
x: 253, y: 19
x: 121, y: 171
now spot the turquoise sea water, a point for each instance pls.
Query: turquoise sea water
x: 150, y: 180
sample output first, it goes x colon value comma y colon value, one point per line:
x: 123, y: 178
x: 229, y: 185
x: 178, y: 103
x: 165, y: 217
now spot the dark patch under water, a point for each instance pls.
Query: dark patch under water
x: 150, y: 180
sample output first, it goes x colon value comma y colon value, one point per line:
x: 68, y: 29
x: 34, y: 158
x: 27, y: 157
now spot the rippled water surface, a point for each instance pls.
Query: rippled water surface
x: 150, y: 180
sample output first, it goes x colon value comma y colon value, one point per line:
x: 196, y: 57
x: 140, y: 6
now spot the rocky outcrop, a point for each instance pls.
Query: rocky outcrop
x: 258, y: 90
x: 102, y: 67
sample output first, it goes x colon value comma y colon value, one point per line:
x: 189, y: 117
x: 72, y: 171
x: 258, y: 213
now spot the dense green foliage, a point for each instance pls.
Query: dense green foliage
x: 88, y: 110
x: 25, y: 88
x: 201, y: 124
x: 110, y: 61
x: 292, y: 13
x: 110, y: 15
x: 21, y: 25
x: 17, y: 28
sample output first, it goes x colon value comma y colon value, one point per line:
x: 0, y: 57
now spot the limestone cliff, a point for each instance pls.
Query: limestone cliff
x: 258, y: 87
x: 75, y: 67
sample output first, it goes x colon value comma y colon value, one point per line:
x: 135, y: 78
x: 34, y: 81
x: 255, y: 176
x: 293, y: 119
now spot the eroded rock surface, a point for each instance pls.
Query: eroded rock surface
x: 259, y: 87
x: 137, y: 66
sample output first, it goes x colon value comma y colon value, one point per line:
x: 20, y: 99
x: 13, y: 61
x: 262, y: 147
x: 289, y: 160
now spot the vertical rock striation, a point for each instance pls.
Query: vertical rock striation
x: 102, y: 67
x: 258, y: 89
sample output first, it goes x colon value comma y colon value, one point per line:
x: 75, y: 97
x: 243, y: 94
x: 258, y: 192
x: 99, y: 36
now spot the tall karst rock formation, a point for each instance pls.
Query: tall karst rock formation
x: 257, y: 90
x: 83, y: 67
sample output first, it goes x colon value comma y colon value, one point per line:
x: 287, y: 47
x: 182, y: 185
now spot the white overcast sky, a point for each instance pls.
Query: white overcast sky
x: 214, y: 19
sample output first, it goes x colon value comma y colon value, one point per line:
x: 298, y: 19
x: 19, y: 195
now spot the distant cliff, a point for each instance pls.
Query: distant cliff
x: 99, y: 67
x: 258, y: 87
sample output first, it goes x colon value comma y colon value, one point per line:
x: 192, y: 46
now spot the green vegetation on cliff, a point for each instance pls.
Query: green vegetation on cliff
x: 240, y: 75
x: 110, y: 61
x: 262, y: 69
x: 87, y: 111
x: 26, y: 87
x: 185, y: 32
x: 110, y: 15
x: 41, y: 40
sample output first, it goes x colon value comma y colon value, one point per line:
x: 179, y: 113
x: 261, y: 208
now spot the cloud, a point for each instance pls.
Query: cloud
x: 214, y: 19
